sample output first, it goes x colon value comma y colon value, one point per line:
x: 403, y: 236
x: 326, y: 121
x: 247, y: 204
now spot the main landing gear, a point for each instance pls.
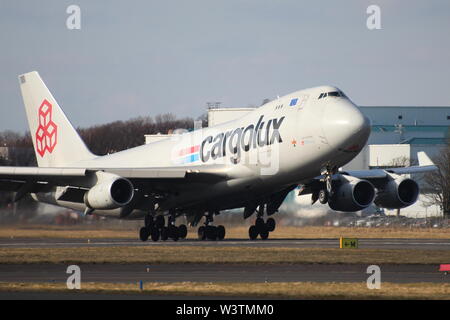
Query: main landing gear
x: 155, y: 229
x: 210, y: 232
x: 260, y: 227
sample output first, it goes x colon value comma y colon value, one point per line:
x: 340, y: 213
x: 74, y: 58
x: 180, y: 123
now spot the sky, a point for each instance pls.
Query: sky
x: 143, y: 58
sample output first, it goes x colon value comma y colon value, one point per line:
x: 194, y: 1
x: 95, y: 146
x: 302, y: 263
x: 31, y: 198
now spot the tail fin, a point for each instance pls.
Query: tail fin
x: 56, y: 142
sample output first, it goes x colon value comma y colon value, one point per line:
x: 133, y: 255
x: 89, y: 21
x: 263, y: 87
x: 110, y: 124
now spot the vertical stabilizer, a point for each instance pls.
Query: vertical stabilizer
x: 56, y: 142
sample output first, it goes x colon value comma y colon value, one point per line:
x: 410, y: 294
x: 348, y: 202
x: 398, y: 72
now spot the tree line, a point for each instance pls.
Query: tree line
x: 100, y: 139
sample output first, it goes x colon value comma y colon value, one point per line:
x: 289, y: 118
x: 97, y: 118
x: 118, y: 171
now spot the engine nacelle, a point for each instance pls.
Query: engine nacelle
x: 110, y: 192
x: 399, y: 192
x: 351, y: 194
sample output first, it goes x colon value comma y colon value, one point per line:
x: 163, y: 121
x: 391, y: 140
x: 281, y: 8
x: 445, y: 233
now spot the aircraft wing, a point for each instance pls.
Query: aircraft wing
x: 34, y: 179
x: 209, y: 173
x: 37, y: 173
x: 425, y: 165
x: 375, y: 176
x: 37, y: 179
x: 60, y: 176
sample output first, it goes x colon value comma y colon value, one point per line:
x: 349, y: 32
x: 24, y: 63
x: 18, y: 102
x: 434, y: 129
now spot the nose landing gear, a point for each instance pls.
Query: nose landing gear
x: 326, y: 192
x: 323, y: 196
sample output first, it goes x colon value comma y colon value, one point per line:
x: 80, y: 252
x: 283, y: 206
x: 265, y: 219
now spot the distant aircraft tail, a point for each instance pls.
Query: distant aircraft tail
x: 56, y: 142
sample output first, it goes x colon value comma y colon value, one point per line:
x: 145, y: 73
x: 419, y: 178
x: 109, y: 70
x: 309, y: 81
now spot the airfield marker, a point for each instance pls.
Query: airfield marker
x: 348, y: 243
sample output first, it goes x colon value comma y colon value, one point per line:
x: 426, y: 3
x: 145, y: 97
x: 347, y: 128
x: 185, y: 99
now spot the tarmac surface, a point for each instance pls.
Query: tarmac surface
x: 134, y: 273
x: 423, y: 244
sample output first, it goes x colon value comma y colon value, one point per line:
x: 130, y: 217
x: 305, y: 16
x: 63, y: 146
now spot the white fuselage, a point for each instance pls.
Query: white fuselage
x: 284, y: 142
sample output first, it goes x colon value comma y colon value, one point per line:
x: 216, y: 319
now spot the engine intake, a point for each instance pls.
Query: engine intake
x: 352, y: 194
x: 398, y: 193
x: 110, y: 192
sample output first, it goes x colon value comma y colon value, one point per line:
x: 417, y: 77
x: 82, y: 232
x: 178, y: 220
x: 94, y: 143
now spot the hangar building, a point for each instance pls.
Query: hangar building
x: 398, y: 133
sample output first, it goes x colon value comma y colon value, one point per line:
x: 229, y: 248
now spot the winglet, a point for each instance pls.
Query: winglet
x: 424, y: 160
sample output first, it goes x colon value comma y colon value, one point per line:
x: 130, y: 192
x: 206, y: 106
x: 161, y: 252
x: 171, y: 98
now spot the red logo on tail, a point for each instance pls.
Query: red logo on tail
x: 46, y: 133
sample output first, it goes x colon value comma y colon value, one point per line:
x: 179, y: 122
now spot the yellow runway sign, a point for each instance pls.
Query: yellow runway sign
x: 348, y: 243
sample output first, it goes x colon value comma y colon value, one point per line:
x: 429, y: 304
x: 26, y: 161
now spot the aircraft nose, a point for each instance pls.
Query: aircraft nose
x: 345, y: 127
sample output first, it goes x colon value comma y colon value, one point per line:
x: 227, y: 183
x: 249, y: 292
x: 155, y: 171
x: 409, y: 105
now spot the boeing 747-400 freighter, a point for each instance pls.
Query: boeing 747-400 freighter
x: 297, y: 141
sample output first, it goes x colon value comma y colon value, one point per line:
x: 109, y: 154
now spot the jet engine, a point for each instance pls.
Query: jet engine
x: 351, y: 194
x: 110, y: 192
x: 399, y: 192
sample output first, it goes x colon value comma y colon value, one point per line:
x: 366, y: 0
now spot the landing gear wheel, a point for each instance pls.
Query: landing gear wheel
x: 253, y: 232
x: 323, y: 196
x: 259, y: 223
x: 155, y: 234
x: 201, y: 233
x: 270, y: 224
x: 164, y: 233
x: 173, y: 232
x: 159, y: 223
x: 220, y: 232
x: 211, y: 233
x: 148, y: 221
x: 182, y: 231
x: 144, y: 234
x: 264, y: 234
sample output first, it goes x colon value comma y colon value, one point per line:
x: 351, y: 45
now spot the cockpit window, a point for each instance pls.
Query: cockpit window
x: 332, y: 94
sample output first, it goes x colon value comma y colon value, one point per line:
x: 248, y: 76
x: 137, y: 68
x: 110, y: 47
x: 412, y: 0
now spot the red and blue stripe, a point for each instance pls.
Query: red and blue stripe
x: 189, y: 155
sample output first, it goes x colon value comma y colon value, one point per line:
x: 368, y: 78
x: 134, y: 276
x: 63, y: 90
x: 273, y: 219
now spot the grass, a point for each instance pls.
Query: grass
x: 281, y: 232
x: 296, y: 290
x: 227, y: 255
x: 310, y: 232
x: 164, y: 254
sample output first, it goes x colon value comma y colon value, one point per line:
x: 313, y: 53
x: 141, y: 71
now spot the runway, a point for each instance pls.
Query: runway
x: 423, y: 244
x: 133, y: 273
